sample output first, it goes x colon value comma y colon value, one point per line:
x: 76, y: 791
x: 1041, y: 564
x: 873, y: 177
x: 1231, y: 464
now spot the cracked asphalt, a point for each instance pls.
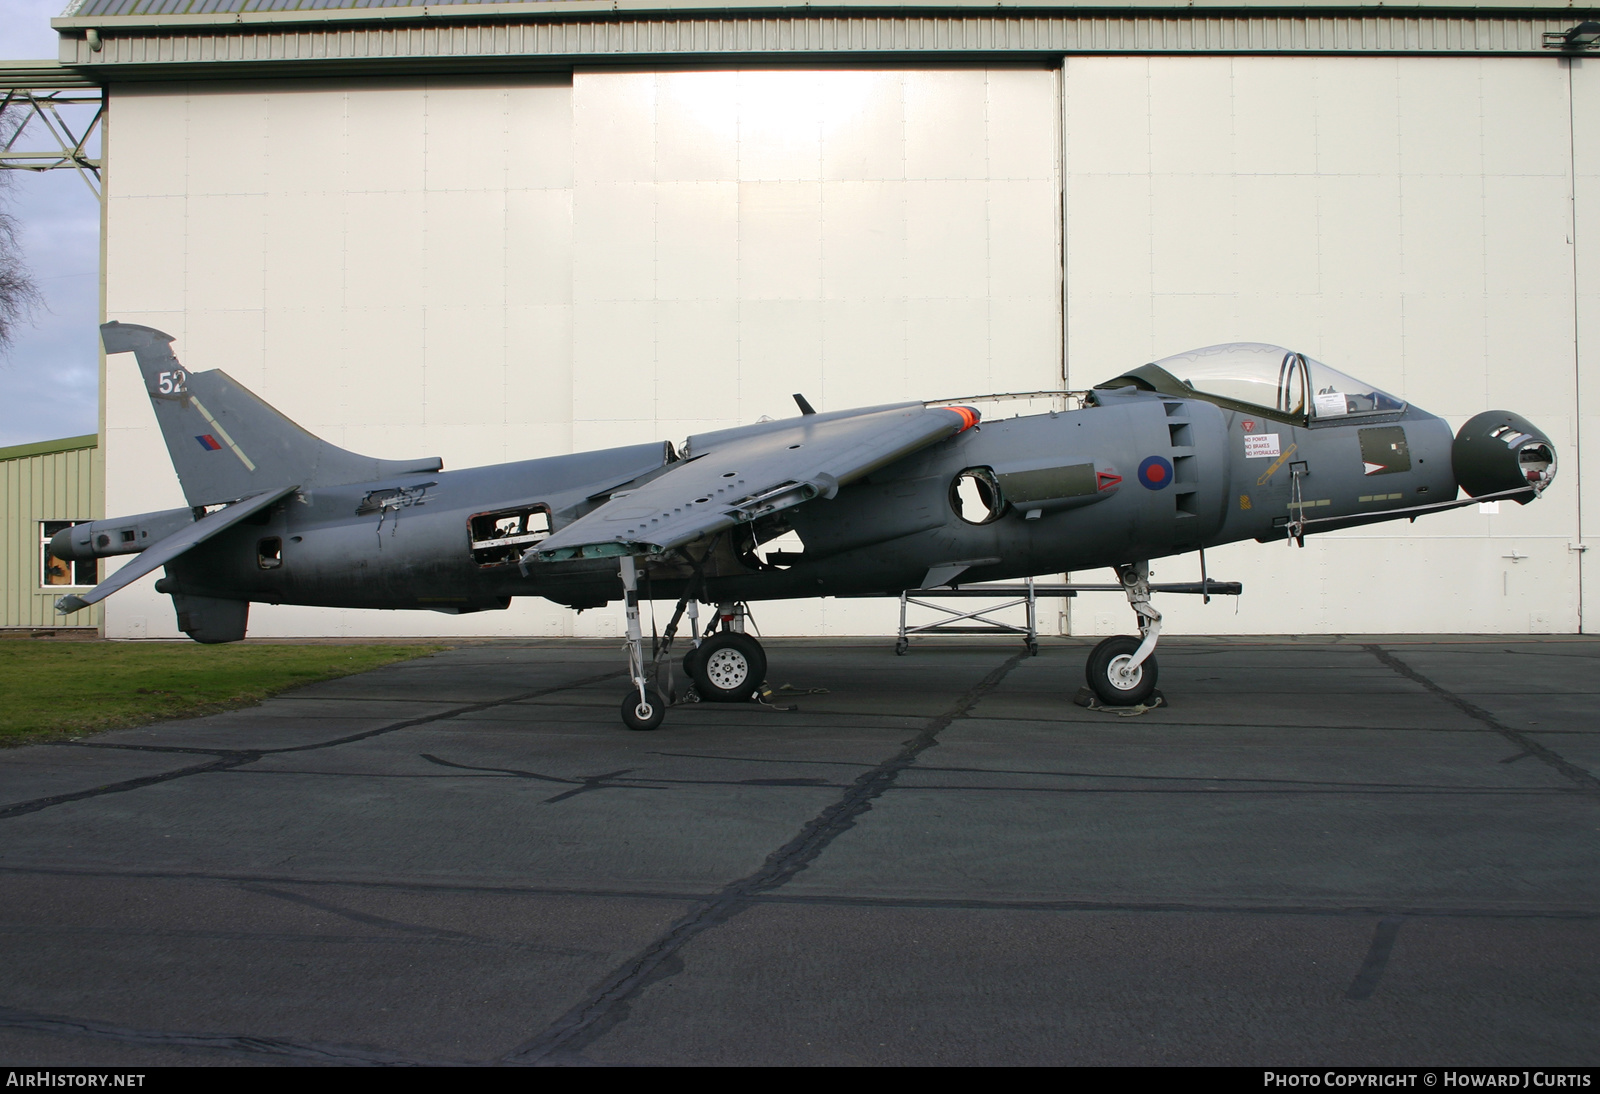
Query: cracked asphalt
x: 1341, y: 851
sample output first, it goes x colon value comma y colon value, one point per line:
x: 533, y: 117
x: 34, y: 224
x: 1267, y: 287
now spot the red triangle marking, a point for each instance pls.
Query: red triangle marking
x: 1105, y: 480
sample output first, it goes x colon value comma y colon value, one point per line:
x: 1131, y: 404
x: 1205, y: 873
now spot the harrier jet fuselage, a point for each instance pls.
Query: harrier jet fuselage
x: 1229, y: 443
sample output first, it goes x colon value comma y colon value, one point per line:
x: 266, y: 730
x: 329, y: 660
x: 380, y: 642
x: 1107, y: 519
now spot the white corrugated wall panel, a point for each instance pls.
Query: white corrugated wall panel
x: 859, y: 236
x: 389, y: 263
x: 513, y: 270
x: 1403, y: 219
x: 490, y: 272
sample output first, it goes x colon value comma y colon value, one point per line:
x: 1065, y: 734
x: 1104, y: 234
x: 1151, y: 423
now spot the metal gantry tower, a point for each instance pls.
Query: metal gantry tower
x: 38, y: 136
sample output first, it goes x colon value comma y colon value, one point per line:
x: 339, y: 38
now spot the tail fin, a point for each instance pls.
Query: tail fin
x: 225, y: 442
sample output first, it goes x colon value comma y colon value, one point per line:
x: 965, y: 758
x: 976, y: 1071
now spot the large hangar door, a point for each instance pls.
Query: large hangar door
x: 388, y: 262
x: 859, y: 236
x: 1407, y: 220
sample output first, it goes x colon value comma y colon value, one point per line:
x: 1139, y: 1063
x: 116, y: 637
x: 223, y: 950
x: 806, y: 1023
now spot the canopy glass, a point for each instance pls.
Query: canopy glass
x: 1277, y: 379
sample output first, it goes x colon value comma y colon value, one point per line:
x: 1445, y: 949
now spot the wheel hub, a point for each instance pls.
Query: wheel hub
x: 727, y: 669
x: 1121, y: 676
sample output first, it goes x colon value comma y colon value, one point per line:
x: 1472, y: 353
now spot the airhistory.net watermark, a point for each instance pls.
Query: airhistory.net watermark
x: 52, y: 1079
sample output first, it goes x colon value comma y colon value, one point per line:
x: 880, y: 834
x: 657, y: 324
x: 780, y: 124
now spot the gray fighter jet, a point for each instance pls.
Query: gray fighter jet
x: 1234, y: 442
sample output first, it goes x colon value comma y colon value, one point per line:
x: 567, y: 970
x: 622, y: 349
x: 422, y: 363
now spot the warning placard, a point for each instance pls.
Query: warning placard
x: 1260, y: 446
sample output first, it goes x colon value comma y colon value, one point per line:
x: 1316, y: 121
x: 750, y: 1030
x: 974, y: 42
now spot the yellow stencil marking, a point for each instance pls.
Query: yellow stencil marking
x: 1277, y: 463
x: 223, y: 433
x: 1244, y: 501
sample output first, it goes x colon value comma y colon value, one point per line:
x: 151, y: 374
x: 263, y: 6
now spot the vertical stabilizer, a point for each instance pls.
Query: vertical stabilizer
x: 225, y: 442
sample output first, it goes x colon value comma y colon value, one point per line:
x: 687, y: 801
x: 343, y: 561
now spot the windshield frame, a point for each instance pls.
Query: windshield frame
x: 1152, y: 377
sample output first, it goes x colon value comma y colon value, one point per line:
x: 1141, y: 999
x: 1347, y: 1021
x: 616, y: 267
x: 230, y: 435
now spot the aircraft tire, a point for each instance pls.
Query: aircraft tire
x: 689, y: 661
x: 646, y: 715
x: 1111, y: 690
x: 729, y: 669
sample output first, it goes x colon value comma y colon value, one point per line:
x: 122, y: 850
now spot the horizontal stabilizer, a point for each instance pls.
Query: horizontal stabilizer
x: 159, y: 554
x: 735, y: 476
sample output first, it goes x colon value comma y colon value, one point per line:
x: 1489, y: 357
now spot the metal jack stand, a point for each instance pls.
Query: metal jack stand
x: 1133, y: 582
x: 977, y: 621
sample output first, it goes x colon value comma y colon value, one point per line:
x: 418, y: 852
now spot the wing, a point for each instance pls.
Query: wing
x: 158, y: 554
x: 738, y: 475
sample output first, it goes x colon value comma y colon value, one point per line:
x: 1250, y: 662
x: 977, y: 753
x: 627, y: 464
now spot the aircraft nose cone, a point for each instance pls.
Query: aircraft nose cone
x: 1498, y: 451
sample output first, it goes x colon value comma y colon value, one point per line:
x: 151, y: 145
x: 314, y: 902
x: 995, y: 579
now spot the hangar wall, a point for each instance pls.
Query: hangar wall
x: 497, y: 269
x: 1585, y: 76
x: 490, y: 271
x: 1407, y: 220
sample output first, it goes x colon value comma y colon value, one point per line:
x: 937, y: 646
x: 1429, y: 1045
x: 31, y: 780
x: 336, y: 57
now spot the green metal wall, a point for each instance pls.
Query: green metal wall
x: 55, y: 480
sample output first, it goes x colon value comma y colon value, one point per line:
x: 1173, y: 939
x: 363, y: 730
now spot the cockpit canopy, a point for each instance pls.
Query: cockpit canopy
x: 1270, y: 377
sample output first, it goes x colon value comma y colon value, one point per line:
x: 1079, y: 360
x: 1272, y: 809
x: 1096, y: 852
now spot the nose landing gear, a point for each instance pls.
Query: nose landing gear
x: 1122, y: 670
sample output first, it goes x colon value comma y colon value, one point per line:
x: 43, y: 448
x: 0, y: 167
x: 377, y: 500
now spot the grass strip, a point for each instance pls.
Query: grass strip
x: 62, y: 689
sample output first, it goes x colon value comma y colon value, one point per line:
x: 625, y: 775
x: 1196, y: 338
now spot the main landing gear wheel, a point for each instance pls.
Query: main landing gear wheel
x: 691, y: 662
x: 645, y: 714
x: 729, y: 668
x: 1107, y: 675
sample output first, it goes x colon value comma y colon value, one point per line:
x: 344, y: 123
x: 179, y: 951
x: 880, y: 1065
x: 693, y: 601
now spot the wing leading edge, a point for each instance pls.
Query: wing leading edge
x: 739, y: 475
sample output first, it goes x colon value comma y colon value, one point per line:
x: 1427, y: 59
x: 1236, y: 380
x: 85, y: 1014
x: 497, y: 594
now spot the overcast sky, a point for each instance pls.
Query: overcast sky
x: 49, y: 381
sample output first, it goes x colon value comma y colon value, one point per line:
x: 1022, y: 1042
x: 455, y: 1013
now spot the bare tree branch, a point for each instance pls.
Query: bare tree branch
x: 18, y: 293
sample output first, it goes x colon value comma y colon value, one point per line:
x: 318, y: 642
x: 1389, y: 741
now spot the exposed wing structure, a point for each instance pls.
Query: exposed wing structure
x: 739, y: 475
x: 158, y: 554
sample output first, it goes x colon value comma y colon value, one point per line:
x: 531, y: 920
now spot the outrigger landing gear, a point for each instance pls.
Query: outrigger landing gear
x: 642, y: 707
x: 1122, y: 670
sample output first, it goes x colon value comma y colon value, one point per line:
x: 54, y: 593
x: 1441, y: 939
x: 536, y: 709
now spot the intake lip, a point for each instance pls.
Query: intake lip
x: 1498, y: 451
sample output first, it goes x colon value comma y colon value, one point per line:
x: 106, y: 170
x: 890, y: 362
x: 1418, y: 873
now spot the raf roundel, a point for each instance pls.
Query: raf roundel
x: 1155, y: 472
